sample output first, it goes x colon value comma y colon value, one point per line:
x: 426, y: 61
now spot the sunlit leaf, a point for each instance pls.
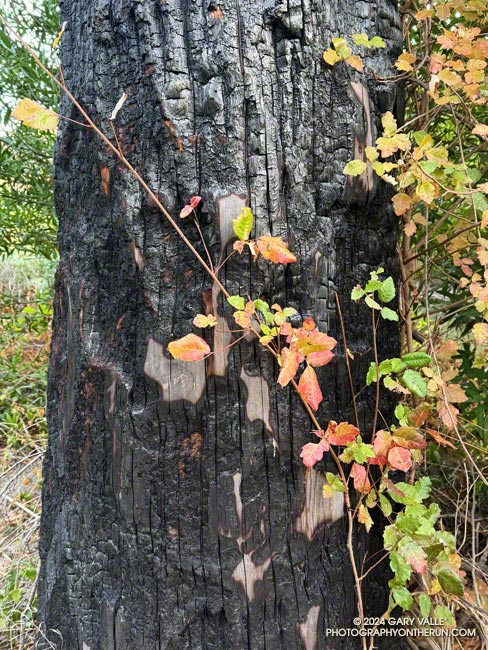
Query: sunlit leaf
x: 242, y: 225
x: 274, y: 249
x: 189, y: 348
x: 36, y: 116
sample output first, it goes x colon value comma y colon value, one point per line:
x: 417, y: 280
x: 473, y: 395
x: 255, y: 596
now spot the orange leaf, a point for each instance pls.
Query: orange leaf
x: 190, y: 348
x: 275, y: 250
x: 341, y: 434
x: 355, y: 62
x: 290, y: 360
x: 309, y: 389
x: 309, y: 324
x: 401, y: 203
x: 400, y: 458
x: 312, y: 453
x: 410, y: 228
x: 361, y: 481
x: 440, y: 439
x: 480, y: 129
x: 454, y: 393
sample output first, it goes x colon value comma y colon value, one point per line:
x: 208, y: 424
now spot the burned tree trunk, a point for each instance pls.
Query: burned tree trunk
x: 176, y: 512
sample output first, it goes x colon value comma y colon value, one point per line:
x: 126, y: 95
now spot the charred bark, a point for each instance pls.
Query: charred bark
x: 176, y: 512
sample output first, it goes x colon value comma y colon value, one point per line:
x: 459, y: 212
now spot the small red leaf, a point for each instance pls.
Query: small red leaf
x: 360, y: 476
x: 312, y: 452
x: 341, y: 434
x: 400, y: 458
x: 187, y: 210
x: 309, y: 389
x: 190, y: 348
x: 194, y: 201
x: 274, y: 249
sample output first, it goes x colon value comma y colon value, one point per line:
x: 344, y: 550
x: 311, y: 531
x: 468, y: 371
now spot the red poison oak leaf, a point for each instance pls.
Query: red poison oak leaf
x: 190, y: 348
x: 317, y: 359
x: 360, y: 476
x: 341, y: 434
x: 400, y: 458
x: 194, y: 201
x: 382, y: 444
x: 312, y: 453
x: 309, y: 388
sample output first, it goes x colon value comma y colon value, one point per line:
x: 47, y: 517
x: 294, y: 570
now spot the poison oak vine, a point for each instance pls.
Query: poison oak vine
x: 445, y: 65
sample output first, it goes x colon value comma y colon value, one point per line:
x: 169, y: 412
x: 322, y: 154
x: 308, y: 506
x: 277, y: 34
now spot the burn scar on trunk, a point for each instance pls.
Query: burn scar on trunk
x: 317, y: 510
x: 308, y: 629
x: 257, y: 401
x: 363, y: 137
x: 178, y: 379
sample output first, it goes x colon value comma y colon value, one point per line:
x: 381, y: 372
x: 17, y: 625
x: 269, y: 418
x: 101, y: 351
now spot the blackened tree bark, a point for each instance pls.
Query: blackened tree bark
x: 176, y: 511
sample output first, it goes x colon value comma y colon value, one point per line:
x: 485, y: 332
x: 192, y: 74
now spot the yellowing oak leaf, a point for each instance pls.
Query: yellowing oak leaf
x: 242, y: 225
x: 36, y: 116
x: 189, y: 348
x: 355, y: 168
x: 274, y: 249
x: 202, y: 321
x: 480, y: 331
x: 331, y: 57
x: 309, y: 389
x: 404, y: 62
x: 401, y: 203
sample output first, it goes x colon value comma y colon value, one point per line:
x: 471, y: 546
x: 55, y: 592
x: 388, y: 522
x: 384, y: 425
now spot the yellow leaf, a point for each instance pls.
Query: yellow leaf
x: 371, y: 153
x: 389, y: 124
x: 426, y: 192
x: 36, y: 116
x: 450, y: 78
x: 480, y: 331
x: 404, y: 62
x: 331, y: 57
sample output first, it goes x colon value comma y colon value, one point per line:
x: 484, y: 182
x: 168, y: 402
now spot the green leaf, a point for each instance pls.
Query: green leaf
x: 402, y: 597
x: 385, y: 505
x: 389, y: 314
x: 450, y: 581
x: 372, y: 374
x: 15, y: 595
x: 372, y: 304
x: 377, y: 41
x: 373, y: 285
x: 397, y: 365
x: 355, y: 168
x: 400, y: 568
x: 357, y: 293
x: 385, y: 367
x: 387, y: 290
x: 237, y: 302
x: 242, y: 226
x: 443, y: 613
x: 261, y: 305
x: 415, y: 383
x: 416, y: 359
x: 361, y: 39
x: 425, y: 604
